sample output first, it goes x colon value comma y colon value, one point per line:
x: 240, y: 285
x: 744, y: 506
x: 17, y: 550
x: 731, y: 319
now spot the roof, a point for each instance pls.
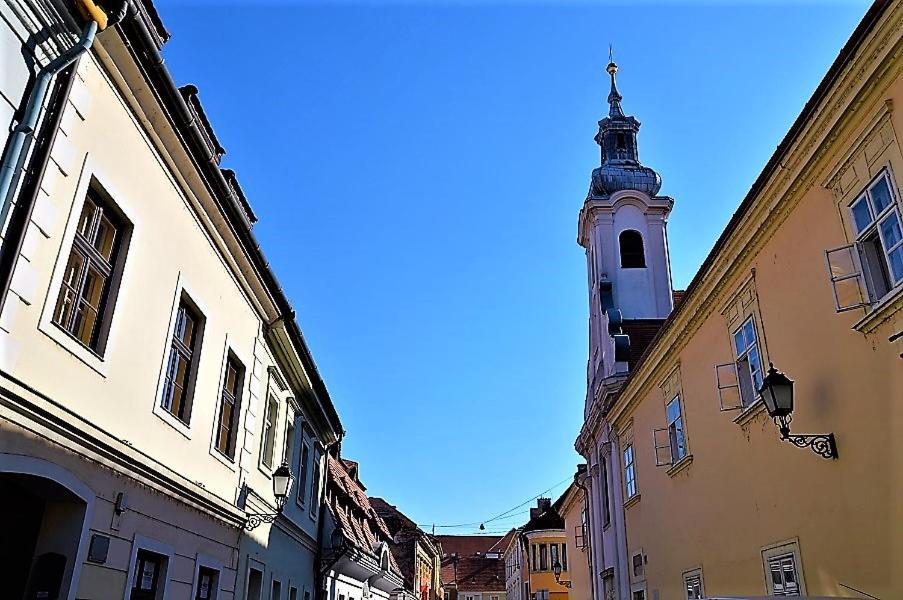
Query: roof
x: 844, y: 57
x: 641, y: 333
x: 353, y: 514
x: 404, y: 534
x: 473, y: 573
x: 545, y: 517
x: 503, y: 543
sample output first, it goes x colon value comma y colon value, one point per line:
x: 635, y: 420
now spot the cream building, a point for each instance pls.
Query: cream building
x: 694, y: 491
x: 574, y: 511
x: 152, y: 375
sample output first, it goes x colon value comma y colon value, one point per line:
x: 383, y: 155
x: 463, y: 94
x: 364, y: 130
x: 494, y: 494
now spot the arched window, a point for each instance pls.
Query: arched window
x: 631, y: 244
x: 621, y: 141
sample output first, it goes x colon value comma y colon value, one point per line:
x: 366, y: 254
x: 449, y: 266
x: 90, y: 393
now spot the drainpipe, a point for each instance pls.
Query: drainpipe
x: 12, y: 161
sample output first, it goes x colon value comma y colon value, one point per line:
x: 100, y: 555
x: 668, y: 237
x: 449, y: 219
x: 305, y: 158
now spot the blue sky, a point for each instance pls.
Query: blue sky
x: 418, y: 168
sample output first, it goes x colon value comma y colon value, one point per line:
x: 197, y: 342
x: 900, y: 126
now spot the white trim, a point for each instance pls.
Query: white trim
x: 27, y: 465
x: 202, y: 560
x: 791, y: 546
x: 141, y: 542
x: 694, y: 572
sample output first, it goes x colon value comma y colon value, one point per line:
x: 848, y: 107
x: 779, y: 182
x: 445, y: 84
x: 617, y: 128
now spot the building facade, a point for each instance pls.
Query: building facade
x: 356, y: 563
x: 418, y: 554
x: 574, y: 511
x: 694, y: 491
x: 545, y: 548
x: 152, y: 375
x: 473, y: 567
x: 517, y: 585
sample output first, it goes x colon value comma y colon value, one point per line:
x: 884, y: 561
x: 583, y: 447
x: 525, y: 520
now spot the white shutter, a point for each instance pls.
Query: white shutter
x: 727, y: 380
x: 847, y: 281
x: 662, y: 442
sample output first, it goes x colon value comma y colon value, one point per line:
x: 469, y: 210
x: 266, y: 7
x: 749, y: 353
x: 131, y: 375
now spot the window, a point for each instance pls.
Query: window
x: 782, y: 572
x: 255, y: 584
x: 208, y: 581
x: 629, y: 472
x: 303, y: 461
x: 868, y: 269
x: 631, y: 244
x: 693, y: 585
x: 276, y: 591
x: 230, y: 406
x: 676, y: 430
x: 292, y: 593
x: 315, y: 487
x: 608, y: 586
x: 84, y: 306
x: 535, y: 564
x: 638, y: 569
x: 288, y: 445
x: 150, y: 570
x: 543, y: 558
x: 184, y: 349
x: 553, y: 551
x: 268, y: 438
x: 564, y: 557
x: 749, y: 362
x: 621, y: 141
x: 639, y: 595
x: 606, y: 508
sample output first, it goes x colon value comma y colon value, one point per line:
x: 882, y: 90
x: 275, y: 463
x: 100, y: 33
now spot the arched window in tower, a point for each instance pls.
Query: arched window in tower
x: 631, y: 244
x: 621, y: 141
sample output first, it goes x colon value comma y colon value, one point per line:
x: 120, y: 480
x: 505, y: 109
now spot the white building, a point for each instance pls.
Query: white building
x: 151, y: 373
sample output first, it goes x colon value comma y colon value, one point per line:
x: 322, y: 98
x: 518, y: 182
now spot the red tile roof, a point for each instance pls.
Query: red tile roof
x: 464, y: 562
x: 641, y: 332
x: 468, y: 545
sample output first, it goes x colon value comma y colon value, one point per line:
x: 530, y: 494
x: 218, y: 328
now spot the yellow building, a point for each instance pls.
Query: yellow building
x: 546, y: 547
x: 696, y: 491
x: 574, y: 512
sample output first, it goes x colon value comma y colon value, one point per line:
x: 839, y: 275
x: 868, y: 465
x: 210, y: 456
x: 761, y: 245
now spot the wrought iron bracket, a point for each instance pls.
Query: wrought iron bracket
x: 566, y: 584
x: 822, y: 444
x: 255, y: 519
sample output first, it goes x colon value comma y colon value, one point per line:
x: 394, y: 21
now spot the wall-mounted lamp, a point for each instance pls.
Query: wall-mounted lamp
x: 282, y: 485
x: 556, y: 568
x: 777, y: 393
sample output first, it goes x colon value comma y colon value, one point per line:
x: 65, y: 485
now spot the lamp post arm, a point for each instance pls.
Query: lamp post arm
x: 822, y: 444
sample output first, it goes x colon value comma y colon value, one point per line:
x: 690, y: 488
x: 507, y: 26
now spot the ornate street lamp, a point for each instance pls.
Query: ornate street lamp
x: 556, y: 568
x: 282, y: 485
x: 777, y: 393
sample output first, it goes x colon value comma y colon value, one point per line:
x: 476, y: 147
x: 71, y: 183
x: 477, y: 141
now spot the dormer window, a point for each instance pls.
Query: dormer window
x: 631, y: 245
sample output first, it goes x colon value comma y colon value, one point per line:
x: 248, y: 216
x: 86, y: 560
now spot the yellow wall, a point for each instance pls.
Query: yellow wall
x: 545, y: 580
x: 744, y: 489
x: 578, y: 558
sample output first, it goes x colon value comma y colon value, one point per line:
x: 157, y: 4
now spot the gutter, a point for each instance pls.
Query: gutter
x: 140, y: 42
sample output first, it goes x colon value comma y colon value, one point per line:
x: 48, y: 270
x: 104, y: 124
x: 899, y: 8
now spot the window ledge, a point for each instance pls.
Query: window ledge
x: 631, y: 501
x: 880, y: 312
x: 173, y: 421
x: 750, y: 412
x: 680, y: 465
x: 225, y: 460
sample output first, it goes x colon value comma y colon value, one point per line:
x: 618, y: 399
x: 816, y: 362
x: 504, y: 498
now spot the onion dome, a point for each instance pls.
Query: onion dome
x: 621, y: 168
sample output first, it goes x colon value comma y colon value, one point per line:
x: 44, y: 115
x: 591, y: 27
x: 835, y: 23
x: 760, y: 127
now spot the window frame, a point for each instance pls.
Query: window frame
x: 677, y: 427
x: 783, y: 550
x: 270, y: 425
x: 140, y: 544
x: 741, y: 356
x: 111, y: 269
x: 873, y: 228
x: 689, y: 576
x: 316, y: 483
x: 606, y: 500
x: 236, y: 401
x: 193, y: 357
x: 211, y: 564
x: 303, y: 470
x: 630, y: 471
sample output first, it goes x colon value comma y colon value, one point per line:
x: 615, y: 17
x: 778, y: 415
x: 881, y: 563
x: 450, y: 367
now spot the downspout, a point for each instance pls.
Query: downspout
x: 12, y: 161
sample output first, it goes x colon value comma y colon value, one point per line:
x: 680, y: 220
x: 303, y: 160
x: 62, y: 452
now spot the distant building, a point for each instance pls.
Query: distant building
x: 418, y: 554
x: 473, y: 567
x: 516, y: 578
x: 356, y: 562
x: 545, y: 546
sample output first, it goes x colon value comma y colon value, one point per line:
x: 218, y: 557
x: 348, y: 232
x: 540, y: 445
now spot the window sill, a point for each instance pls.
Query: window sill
x: 680, y: 465
x: 750, y: 412
x: 881, y: 312
x: 229, y: 462
x: 174, y: 422
x: 631, y: 501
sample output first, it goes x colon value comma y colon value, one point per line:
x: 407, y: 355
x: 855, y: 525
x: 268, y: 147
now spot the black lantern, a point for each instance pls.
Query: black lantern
x: 777, y: 394
x: 556, y: 568
x: 282, y: 485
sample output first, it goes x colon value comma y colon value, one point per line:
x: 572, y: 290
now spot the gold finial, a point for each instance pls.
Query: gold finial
x: 612, y: 68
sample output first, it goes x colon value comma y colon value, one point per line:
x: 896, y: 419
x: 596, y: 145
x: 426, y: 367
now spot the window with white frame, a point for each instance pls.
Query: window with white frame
x: 629, y: 472
x: 693, y: 585
x: 782, y: 573
x: 676, y: 434
x: 749, y: 361
x: 867, y: 270
x: 185, y: 346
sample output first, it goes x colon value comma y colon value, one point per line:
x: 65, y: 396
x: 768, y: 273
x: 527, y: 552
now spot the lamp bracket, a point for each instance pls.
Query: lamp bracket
x: 255, y: 519
x: 822, y: 444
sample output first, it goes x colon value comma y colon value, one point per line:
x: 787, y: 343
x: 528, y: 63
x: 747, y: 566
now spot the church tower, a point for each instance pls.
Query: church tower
x: 622, y: 227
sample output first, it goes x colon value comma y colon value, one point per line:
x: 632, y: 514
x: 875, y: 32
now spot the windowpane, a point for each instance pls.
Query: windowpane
x: 890, y: 231
x: 755, y: 367
x: 302, y: 472
x: 106, y: 236
x: 749, y: 333
x: 880, y: 194
x: 71, y: 282
x: 86, y: 219
x: 739, y: 342
x: 862, y: 214
x: 269, y: 431
x: 673, y: 410
x: 231, y: 396
x: 896, y: 263
x: 88, y: 306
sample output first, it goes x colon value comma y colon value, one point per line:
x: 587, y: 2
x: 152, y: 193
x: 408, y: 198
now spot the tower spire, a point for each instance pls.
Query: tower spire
x: 614, y: 96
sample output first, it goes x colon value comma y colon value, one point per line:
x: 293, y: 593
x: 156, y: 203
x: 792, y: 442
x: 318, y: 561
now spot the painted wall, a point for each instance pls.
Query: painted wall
x: 578, y: 557
x: 545, y: 579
